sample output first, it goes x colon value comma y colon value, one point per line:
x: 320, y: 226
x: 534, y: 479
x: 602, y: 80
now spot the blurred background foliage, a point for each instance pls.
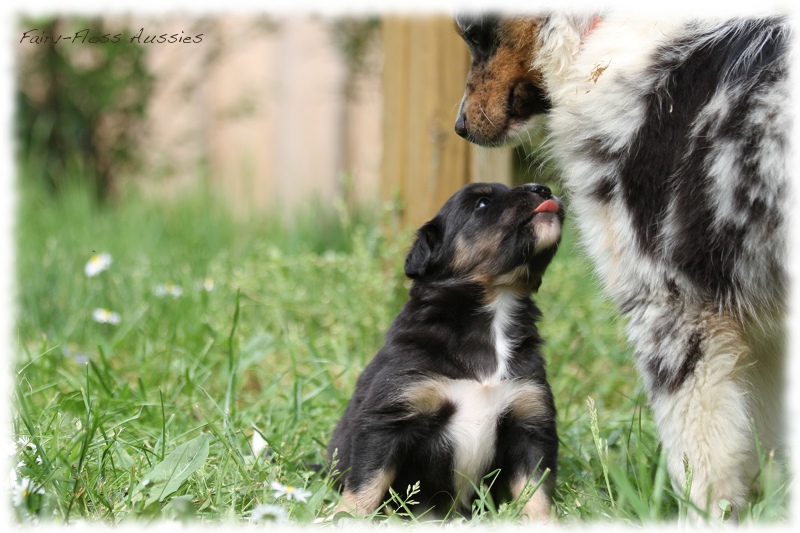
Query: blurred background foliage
x: 79, y: 107
x: 354, y: 37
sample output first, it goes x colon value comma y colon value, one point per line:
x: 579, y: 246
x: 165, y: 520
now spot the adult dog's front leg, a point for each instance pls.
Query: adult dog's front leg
x: 695, y: 367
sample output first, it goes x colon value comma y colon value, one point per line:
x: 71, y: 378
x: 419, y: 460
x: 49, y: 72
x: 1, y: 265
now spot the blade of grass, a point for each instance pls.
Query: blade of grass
x: 230, y: 389
x: 601, y: 446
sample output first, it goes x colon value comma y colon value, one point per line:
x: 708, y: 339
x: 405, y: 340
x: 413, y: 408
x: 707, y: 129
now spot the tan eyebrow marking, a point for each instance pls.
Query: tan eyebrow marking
x: 484, y: 191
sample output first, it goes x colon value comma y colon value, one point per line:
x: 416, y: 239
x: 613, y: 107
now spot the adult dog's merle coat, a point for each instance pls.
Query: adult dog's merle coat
x: 459, y: 389
x: 673, y: 140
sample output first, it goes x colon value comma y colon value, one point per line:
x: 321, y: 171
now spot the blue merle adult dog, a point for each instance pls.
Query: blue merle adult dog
x: 459, y: 389
x: 673, y: 141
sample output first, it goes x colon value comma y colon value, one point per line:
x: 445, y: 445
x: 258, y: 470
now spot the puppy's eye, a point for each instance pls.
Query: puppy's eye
x: 481, y: 203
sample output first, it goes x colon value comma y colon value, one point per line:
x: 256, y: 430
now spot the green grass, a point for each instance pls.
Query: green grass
x: 153, y: 418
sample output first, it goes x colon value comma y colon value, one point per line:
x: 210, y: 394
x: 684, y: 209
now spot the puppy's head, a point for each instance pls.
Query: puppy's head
x: 514, y: 59
x: 492, y: 235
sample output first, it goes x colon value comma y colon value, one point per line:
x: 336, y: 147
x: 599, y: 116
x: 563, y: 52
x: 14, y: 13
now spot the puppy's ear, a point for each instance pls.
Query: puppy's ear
x: 419, y: 257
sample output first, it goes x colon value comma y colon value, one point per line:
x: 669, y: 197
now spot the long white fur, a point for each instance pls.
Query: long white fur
x: 502, y: 308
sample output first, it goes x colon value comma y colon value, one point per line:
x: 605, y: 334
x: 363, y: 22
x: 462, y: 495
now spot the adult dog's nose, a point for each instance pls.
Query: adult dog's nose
x: 538, y: 188
x: 461, y: 125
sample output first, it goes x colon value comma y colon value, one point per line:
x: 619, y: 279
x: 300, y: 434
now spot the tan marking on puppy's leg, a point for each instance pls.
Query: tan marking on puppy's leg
x: 539, y: 507
x: 369, y: 497
x: 528, y: 402
x: 425, y: 397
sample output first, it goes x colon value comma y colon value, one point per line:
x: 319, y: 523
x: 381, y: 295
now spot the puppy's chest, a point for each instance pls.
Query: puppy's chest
x: 478, y: 410
x: 487, y: 396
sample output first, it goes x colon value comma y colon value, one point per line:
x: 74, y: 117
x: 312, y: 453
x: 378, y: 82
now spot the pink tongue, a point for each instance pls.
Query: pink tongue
x: 548, y: 206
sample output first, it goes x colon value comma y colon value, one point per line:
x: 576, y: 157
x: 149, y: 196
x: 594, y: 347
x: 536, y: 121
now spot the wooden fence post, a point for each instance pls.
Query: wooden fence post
x: 424, y: 162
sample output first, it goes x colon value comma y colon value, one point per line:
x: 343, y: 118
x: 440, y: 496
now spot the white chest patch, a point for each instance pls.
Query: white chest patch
x: 502, y: 310
x: 472, y: 430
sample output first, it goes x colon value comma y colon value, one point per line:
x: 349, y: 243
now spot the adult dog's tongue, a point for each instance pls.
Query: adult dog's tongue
x: 548, y: 206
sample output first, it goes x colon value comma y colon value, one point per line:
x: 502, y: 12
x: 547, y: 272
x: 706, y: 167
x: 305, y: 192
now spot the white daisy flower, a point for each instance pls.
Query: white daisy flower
x: 258, y: 444
x: 206, y: 284
x: 25, y: 442
x: 268, y: 513
x: 289, y: 492
x: 97, y: 263
x: 22, y: 490
x: 168, y: 289
x: 104, y: 316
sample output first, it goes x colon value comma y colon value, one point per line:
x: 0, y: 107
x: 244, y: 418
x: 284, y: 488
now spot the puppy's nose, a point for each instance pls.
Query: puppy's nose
x: 461, y: 125
x: 541, y: 190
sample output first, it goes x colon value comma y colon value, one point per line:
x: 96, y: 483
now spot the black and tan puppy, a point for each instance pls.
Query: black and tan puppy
x: 459, y: 389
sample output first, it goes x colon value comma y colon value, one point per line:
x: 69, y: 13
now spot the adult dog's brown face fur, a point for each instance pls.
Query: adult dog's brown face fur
x: 492, y: 235
x: 503, y: 92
